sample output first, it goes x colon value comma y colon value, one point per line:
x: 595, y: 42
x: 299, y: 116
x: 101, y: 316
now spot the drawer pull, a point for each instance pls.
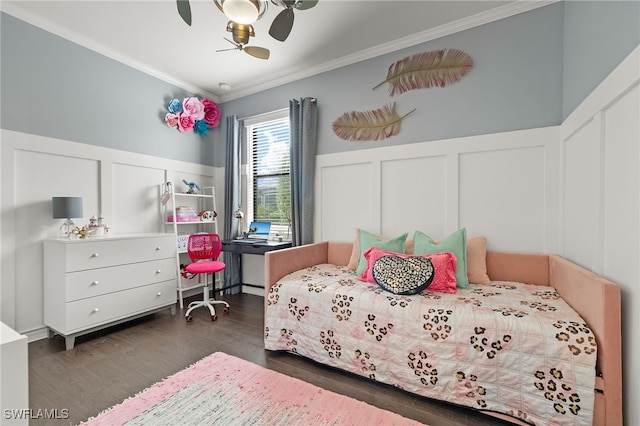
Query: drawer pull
x: 95, y: 310
x: 159, y: 293
x: 158, y: 248
x: 95, y: 255
x: 158, y: 271
x: 95, y: 282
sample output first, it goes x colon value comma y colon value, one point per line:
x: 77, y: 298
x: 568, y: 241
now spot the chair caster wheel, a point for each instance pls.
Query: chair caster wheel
x: 214, y: 317
x: 189, y: 318
x: 225, y: 310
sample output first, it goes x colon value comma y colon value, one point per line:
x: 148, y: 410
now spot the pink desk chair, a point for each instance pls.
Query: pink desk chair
x: 204, y: 249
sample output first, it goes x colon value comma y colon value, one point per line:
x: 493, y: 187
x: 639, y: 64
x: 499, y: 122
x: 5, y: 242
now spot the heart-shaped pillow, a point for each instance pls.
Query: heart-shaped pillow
x: 403, y: 275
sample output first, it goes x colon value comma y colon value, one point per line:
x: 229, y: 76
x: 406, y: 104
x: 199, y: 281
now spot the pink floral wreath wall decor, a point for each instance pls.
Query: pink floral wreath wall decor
x: 193, y: 114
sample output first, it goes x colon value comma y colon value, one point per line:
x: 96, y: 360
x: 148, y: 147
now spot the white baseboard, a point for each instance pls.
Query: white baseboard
x: 258, y: 291
x: 37, y: 334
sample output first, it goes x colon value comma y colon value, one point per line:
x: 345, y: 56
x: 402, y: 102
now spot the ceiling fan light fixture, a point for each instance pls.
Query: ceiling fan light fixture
x: 244, y: 12
x: 241, y: 33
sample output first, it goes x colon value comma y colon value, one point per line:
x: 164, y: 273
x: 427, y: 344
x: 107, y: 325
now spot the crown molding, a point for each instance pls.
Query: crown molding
x: 496, y: 14
x: 80, y: 39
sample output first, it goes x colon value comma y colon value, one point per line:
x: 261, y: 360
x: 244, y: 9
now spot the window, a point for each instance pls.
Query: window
x: 268, y: 192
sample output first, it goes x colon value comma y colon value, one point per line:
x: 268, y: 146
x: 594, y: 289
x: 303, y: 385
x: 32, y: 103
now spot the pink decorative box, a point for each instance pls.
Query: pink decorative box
x: 194, y: 218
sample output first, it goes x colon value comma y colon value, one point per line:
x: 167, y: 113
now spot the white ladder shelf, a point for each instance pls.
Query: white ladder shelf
x: 170, y: 201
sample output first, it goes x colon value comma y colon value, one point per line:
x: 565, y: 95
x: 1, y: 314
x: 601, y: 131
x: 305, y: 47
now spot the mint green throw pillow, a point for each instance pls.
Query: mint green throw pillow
x: 455, y: 243
x: 368, y: 240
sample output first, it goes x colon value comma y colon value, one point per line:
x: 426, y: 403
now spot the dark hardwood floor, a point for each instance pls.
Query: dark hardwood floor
x: 108, y: 366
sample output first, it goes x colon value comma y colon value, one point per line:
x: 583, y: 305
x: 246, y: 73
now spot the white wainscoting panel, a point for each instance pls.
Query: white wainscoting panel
x: 621, y: 188
x: 582, y: 198
x: 413, y: 194
x: 347, y: 200
x: 502, y: 195
x: 621, y: 224
x: 494, y: 185
x: 601, y: 201
x: 121, y: 185
x: 38, y: 177
x: 135, y: 198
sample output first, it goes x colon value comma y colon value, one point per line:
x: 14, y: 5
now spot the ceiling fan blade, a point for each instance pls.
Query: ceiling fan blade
x: 257, y: 52
x: 224, y: 50
x: 306, y: 4
x: 282, y: 24
x: 184, y: 10
x: 232, y: 42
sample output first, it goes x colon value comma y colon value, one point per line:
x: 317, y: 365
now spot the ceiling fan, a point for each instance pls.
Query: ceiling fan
x: 240, y: 11
x: 283, y: 23
x: 246, y: 12
x: 241, y: 34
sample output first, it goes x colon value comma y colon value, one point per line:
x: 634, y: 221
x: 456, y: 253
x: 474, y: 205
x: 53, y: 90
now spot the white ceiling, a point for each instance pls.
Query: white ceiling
x: 150, y: 35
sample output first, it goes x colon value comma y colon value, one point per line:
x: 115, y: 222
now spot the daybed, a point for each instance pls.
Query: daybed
x: 315, y: 307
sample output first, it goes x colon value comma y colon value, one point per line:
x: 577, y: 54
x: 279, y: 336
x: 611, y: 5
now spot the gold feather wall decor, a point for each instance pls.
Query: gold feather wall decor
x: 427, y: 69
x: 373, y: 125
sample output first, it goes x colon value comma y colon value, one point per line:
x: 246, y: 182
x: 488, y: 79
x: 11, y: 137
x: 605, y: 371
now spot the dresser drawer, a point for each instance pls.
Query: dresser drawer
x: 95, y: 282
x: 104, y: 253
x: 98, y: 310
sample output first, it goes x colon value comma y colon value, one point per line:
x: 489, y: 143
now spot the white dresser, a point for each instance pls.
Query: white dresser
x: 94, y: 283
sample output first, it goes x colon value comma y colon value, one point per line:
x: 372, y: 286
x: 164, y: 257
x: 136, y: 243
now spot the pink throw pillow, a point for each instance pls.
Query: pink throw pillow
x: 444, y: 265
x: 477, y: 261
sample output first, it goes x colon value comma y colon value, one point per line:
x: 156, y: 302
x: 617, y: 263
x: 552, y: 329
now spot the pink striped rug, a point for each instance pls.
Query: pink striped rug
x: 224, y: 390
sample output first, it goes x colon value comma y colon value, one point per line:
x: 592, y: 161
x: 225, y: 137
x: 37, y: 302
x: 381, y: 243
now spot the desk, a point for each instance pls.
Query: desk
x: 259, y: 248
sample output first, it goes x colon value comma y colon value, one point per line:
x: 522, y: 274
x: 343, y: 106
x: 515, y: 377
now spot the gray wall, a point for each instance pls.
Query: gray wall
x: 53, y: 87
x: 516, y: 84
x: 531, y: 70
x: 598, y: 35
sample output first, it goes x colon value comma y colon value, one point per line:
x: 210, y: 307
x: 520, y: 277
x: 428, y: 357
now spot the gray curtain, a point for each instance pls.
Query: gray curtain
x: 232, y: 200
x: 303, y: 119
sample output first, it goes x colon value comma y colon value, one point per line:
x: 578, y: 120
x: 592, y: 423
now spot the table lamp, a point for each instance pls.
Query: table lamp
x: 239, y: 214
x: 66, y: 208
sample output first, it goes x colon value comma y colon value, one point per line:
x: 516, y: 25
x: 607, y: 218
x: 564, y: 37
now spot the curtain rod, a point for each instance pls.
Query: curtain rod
x: 269, y: 113
x: 262, y: 114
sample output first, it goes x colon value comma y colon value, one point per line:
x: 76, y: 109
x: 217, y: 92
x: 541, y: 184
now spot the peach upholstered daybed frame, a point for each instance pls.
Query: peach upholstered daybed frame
x: 595, y: 298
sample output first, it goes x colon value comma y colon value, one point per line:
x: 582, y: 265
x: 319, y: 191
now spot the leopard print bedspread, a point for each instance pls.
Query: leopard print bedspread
x: 507, y: 347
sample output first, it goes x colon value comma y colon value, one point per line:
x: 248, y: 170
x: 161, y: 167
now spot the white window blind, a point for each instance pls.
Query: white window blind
x: 268, y: 143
